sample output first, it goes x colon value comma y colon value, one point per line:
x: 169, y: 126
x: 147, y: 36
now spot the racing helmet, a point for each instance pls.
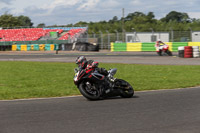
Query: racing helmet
x: 81, y: 61
x: 159, y: 40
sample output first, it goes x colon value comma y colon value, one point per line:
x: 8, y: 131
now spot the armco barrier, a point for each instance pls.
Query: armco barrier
x: 120, y: 47
x: 14, y: 47
x: 29, y: 47
x: 49, y: 47
x: 194, y: 44
x: 149, y: 46
x: 18, y: 47
x: 42, y: 47
x: 23, y: 47
x: 175, y: 45
x: 134, y: 47
x: 34, y: 47
x: 36, y: 42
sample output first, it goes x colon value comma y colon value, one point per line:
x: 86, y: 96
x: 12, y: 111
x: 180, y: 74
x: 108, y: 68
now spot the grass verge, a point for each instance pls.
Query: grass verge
x: 41, y: 79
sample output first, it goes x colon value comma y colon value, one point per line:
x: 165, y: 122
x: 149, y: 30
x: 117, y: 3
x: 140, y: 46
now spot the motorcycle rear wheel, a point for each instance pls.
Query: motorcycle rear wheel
x: 126, y: 89
x: 89, y: 93
x: 169, y: 53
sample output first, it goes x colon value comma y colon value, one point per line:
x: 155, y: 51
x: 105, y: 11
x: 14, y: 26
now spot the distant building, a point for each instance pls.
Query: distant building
x: 147, y: 36
x: 196, y: 36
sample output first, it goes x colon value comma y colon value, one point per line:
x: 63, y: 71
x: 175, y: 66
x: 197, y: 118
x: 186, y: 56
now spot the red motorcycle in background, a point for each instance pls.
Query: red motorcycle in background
x: 95, y: 86
x: 163, y: 49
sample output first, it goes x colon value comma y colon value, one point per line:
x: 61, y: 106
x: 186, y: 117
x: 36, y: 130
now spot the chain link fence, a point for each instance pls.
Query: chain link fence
x: 105, y: 39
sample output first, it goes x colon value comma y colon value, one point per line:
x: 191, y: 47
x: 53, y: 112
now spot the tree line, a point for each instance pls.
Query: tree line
x: 10, y: 21
x: 136, y: 21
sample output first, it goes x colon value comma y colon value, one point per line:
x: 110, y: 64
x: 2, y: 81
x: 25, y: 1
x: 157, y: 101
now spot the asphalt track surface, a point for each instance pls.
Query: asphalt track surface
x: 104, y: 56
x: 163, y: 111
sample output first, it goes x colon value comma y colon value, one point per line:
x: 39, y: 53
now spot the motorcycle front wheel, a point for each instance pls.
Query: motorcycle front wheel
x: 159, y: 53
x: 89, y: 91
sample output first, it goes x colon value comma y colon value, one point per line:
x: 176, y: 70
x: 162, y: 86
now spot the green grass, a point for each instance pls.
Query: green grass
x: 40, y: 79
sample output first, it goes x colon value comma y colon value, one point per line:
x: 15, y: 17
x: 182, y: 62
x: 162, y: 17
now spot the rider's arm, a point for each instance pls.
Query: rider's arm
x: 157, y: 44
x: 162, y: 42
x: 95, y: 64
x: 92, y: 64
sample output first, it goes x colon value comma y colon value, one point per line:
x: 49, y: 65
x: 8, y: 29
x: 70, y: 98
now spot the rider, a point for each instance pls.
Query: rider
x: 84, y: 64
x: 158, y: 43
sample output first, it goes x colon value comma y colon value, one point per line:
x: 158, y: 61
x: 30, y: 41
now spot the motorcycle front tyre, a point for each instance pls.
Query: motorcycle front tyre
x: 88, y: 95
x: 159, y: 53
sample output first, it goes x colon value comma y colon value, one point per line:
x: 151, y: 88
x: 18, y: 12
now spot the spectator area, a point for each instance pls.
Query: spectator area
x: 71, y: 33
x: 34, y: 34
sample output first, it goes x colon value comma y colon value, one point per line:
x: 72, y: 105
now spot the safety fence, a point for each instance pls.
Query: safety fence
x: 35, y: 42
x: 29, y: 47
x: 149, y: 46
x: 51, y: 47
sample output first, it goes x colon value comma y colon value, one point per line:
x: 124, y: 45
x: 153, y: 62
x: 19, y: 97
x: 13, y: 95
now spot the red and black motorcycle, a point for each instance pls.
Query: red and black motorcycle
x: 95, y: 86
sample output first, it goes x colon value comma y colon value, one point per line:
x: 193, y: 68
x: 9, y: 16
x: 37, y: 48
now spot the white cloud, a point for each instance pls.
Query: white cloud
x: 194, y: 14
x: 71, y: 11
x: 136, y: 2
x: 109, y: 4
x: 5, y: 1
x: 88, y: 5
x: 57, y: 3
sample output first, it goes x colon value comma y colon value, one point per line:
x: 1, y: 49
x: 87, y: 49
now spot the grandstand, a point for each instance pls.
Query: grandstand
x: 71, y: 34
x: 35, y: 34
x: 45, y: 39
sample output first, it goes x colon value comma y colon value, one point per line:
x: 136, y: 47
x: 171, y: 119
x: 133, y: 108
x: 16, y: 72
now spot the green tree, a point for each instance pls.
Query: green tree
x: 115, y: 19
x: 176, y: 16
x: 131, y: 16
x: 8, y: 20
x: 25, y: 21
x: 41, y: 25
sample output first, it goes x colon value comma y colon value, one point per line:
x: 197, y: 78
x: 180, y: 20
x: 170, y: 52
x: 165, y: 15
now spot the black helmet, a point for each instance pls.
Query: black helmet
x: 81, y: 61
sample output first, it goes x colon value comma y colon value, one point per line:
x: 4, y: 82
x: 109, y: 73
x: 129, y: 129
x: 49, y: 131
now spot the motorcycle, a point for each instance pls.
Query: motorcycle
x: 163, y: 49
x: 95, y: 86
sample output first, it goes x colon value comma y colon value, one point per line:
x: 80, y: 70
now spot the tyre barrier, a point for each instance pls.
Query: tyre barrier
x: 195, y: 51
x: 188, y: 52
x: 181, y: 51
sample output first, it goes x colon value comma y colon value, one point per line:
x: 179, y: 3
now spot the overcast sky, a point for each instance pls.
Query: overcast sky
x: 62, y: 12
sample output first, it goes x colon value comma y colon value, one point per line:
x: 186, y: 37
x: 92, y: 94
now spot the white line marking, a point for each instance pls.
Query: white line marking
x: 30, y: 99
